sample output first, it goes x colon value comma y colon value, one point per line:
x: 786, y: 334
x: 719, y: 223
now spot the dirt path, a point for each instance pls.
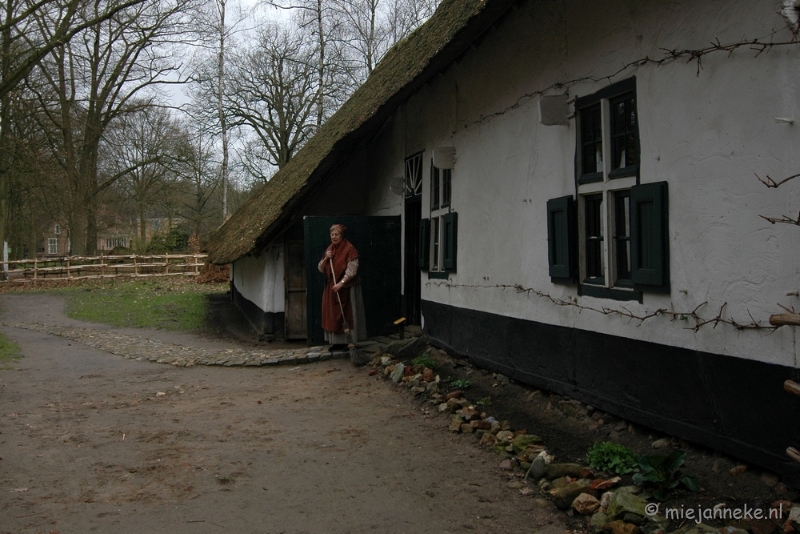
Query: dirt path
x: 92, y: 442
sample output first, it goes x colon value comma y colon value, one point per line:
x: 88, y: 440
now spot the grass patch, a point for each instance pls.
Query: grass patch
x: 9, y: 352
x: 169, y: 304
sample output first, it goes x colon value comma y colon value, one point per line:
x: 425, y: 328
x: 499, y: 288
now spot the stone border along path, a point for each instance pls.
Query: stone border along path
x: 141, y: 348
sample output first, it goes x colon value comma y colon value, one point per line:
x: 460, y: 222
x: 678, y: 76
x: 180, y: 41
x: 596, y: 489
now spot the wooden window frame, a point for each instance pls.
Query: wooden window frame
x: 633, y: 238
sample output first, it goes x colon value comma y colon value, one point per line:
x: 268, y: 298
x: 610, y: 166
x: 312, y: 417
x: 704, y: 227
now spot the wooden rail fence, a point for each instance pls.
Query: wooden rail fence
x: 82, y: 268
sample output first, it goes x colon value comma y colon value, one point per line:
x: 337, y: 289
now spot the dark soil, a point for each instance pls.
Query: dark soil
x: 569, y: 431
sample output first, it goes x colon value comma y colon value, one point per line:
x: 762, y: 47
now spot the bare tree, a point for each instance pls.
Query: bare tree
x: 198, y: 174
x: 272, y: 93
x: 109, y: 70
x: 319, y: 19
x: 144, y: 149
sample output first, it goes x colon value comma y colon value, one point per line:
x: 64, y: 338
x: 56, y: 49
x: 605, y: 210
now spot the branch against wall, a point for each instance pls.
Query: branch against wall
x: 786, y: 219
x: 669, y: 56
x: 622, y: 311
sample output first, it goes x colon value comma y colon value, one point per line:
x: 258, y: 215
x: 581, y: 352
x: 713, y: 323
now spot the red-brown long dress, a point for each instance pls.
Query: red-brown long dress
x: 345, y: 266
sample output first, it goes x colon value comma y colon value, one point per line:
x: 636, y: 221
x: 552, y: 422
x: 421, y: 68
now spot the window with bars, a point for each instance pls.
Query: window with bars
x: 112, y: 242
x: 414, y: 175
x: 613, y: 238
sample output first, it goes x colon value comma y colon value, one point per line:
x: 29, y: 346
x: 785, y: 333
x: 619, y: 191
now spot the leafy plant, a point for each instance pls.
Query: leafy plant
x: 664, y: 472
x: 461, y: 383
x: 486, y: 401
x: 608, y: 456
x: 424, y: 361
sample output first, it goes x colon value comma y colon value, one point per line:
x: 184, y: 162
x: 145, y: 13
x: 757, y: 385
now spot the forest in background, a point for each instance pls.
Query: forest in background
x: 143, y: 124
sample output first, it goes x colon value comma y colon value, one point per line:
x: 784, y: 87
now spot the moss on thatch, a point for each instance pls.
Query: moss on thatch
x: 410, y: 63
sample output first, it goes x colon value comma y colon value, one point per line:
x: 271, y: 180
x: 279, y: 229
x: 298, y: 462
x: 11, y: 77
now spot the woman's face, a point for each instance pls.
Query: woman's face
x: 336, y: 237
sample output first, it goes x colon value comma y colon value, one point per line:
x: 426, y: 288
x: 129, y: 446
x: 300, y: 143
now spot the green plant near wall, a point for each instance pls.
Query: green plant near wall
x: 664, y: 473
x: 612, y: 457
x: 461, y: 383
x: 424, y: 361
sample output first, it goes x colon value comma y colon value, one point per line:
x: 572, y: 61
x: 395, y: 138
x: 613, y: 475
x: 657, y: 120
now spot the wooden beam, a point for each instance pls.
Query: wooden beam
x: 793, y: 453
x: 792, y: 387
x: 785, y: 319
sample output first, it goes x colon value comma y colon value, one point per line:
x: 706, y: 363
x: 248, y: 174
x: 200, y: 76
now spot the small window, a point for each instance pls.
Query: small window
x: 622, y: 225
x: 52, y: 246
x: 57, y: 229
x: 593, y: 234
x: 622, y: 238
x: 443, y: 223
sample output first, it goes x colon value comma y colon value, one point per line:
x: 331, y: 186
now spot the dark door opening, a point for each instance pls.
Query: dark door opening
x: 378, y: 242
x: 412, y: 293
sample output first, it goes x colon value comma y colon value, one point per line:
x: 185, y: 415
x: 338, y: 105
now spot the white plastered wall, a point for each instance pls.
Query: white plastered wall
x: 707, y: 132
x: 259, y: 279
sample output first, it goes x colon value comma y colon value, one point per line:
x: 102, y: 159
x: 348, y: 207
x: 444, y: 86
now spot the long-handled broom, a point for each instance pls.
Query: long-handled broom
x: 357, y: 357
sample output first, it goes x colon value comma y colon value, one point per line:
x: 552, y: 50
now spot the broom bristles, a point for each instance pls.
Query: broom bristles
x: 358, y: 357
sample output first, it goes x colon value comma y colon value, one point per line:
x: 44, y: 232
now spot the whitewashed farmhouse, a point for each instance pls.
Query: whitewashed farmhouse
x: 567, y: 193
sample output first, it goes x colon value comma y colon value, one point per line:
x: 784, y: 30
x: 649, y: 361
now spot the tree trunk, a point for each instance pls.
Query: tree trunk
x: 320, y: 66
x: 220, y: 110
x: 142, y: 224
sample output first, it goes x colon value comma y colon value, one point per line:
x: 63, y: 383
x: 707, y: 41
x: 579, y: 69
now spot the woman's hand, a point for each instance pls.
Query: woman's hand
x: 329, y: 254
x: 337, y: 287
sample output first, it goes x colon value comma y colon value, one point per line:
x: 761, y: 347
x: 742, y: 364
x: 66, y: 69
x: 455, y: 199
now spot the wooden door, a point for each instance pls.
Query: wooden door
x: 295, y: 268
x: 377, y: 240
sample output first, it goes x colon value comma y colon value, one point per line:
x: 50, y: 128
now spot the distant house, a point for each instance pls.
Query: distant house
x: 55, y: 240
x: 566, y: 194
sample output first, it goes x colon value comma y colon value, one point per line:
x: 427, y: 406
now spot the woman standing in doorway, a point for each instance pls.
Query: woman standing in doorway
x: 342, y: 284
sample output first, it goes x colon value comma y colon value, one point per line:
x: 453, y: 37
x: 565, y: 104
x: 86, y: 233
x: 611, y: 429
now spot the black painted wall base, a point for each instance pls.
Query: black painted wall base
x: 733, y: 405
x: 267, y: 324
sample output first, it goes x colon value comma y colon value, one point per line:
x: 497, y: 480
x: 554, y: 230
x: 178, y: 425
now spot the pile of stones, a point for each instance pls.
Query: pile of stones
x: 607, y: 505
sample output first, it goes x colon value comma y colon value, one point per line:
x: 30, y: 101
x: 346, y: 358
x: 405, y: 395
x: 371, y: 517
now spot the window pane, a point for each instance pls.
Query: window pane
x: 593, y: 205
x: 435, y: 236
x: 434, y: 187
x: 591, y: 140
x: 622, y: 236
x: 447, y: 176
x: 624, y: 132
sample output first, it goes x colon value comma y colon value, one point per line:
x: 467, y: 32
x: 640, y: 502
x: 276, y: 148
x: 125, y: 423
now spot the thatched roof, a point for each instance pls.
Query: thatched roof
x: 409, y: 64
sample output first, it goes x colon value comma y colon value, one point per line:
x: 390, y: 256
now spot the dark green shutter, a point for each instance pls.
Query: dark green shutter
x: 650, y: 237
x: 450, y: 233
x: 424, y: 252
x: 561, y: 239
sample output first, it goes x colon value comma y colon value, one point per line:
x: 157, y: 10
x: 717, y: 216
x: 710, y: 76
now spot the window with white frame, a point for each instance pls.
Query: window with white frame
x: 613, y: 240
x: 57, y: 229
x: 112, y: 242
x: 438, y: 235
x: 52, y: 245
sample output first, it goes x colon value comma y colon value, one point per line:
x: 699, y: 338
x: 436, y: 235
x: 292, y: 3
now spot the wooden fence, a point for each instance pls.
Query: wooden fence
x: 82, y: 268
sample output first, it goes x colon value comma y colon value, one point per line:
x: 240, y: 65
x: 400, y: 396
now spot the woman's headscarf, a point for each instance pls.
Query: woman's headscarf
x: 344, y: 253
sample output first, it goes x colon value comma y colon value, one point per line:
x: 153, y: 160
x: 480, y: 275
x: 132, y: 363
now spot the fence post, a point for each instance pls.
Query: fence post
x: 166, y: 263
x: 135, y: 268
x: 68, y: 275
